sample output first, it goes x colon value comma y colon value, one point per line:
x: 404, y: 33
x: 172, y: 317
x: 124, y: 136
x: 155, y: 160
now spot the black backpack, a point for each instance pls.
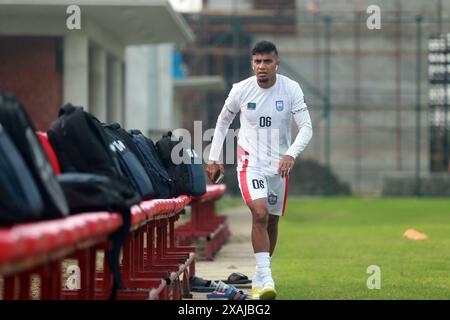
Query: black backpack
x: 21, y: 131
x: 80, y: 143
x: 189, y: 176
x: 130, y: 160
x: 20, y: 200
x: 158, y: 173
x: 82, y: 146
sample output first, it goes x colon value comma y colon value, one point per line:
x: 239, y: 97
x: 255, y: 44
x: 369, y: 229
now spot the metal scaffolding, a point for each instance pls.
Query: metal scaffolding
x: 341, y: 52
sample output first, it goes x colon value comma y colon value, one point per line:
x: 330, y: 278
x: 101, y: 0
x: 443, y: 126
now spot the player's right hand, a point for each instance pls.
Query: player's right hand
x: 213, y: 170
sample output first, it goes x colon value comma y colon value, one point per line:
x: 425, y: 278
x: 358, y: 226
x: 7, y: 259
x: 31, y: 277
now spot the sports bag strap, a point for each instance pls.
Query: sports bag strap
x: 117, y: 240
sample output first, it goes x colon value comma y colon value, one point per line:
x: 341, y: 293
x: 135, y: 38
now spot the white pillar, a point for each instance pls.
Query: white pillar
x: 165, y: 87
x: 149, y: 87
x: 76, y: 70
x: 140, y: 88
x: 115, y: 91
x: 97, y: 82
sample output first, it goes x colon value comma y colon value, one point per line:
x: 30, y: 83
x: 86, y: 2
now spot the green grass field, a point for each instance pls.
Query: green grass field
x: 325, y: 246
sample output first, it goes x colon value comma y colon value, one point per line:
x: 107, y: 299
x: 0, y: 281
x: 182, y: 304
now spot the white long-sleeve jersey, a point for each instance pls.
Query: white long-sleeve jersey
x: 266, y: 116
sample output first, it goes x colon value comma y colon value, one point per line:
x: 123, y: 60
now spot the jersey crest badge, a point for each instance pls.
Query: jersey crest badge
x: 279, y: 105
x: 251, y: 105
x: 272, y: 199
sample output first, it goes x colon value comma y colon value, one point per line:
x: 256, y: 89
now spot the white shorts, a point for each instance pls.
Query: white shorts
x: 255, y: 185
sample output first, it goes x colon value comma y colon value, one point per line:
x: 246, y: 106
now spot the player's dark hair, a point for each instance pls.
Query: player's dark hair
x: 264, y: 47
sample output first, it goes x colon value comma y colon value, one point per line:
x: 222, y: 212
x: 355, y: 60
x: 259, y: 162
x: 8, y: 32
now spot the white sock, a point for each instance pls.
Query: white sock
x: 263, y: 265
x: 268, y: 279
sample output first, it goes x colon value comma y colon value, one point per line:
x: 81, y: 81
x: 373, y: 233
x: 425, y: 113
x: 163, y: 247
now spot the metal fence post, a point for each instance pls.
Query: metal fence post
x: 327, y: 105
x: 418, y: 102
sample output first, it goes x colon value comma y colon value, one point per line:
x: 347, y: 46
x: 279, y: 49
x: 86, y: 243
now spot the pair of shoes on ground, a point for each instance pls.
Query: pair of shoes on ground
x: 201, y: 285
x: 237, y: 278
x: 231, y: 293
x: 198, y: 284
x: 218, y: 289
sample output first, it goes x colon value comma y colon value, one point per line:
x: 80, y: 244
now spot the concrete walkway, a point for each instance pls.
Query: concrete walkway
x: 235, y: 256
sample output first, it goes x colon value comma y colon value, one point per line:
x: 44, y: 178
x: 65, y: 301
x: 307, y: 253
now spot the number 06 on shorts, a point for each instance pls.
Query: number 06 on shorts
x: 255, y: 185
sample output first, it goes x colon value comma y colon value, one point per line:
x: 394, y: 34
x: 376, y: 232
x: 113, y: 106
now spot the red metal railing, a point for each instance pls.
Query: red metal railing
x: 205, y: 223
x: 153, y: 259
x: 153, y: 266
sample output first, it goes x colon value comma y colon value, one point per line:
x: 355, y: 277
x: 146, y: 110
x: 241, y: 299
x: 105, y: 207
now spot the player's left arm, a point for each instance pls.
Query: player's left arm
x: 303, y: 120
